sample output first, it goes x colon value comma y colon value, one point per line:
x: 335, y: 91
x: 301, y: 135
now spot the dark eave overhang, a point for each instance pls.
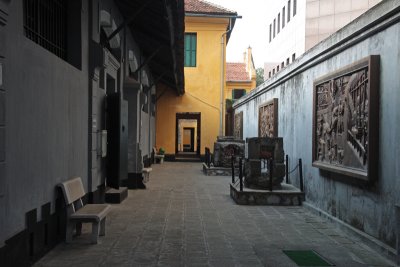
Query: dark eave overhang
x: 231, y: 16
x: 158, y: 29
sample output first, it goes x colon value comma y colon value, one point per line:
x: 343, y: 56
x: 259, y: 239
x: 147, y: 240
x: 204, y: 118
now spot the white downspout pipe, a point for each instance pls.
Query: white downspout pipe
x: 221, y: 109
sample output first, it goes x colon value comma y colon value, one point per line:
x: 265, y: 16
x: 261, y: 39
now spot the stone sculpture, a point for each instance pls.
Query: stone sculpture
x: 238, y: 126
x: 224, y: 148
x: 268, y: 119
x: 256, y: 171
x: 342, y: 120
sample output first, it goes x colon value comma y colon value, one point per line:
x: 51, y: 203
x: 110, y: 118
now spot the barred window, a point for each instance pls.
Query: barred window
x: 45, y: 23
x: 238, y: 93
x: 279, y: 22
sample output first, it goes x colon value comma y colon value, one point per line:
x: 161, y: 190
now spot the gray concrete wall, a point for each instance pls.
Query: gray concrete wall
x: 370, y: 209
x: 4, y: 20
x: 46, y: 116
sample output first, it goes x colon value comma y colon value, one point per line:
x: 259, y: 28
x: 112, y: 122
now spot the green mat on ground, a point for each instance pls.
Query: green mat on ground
x: 306, y: 258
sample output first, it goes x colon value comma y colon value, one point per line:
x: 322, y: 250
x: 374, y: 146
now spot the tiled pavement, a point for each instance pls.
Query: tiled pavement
x: 187, y: 219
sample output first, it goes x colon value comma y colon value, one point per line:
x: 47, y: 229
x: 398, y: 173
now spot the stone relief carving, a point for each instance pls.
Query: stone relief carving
x: 268, y: 119
x: 224, y: 148
x: 238, y: 126
x: 342, y: 125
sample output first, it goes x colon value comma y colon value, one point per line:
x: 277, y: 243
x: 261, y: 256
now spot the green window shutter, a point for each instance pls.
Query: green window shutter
x: 190, y: 49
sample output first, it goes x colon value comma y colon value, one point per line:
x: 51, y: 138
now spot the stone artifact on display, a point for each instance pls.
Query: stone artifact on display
x: 224, y: 148
x: 238, y: 126
x: 256, y: 168
x: 268, y: 119
x: 345, y: 122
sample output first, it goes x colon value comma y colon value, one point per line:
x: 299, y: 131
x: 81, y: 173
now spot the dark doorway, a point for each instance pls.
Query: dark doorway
x: 117, y: 131
x: 188, y: 139
x: 193, y: 133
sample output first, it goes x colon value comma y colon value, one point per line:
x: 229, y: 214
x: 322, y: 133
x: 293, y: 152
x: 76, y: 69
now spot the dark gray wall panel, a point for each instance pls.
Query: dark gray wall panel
x: 47, y: 122
x: 2, y: 108
x: 2, y: 144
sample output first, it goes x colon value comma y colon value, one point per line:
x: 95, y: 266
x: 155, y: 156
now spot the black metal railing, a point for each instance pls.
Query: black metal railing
x: 299, y: 166
x: 207, y: 157
x: 240, y: 176
x: 239, y: 180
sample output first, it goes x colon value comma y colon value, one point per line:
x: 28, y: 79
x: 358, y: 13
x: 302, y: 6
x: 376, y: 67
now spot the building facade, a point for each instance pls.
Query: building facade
x: 199, y: 112
x: 336, y: 109
x: 240, y: 80
x: 77, y: 98
x: 298, y: 25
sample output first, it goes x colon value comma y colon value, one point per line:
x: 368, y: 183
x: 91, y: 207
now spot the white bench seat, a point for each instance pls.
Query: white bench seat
x: 77, y: 213
x: 146, y: 174
x: 91, y: 212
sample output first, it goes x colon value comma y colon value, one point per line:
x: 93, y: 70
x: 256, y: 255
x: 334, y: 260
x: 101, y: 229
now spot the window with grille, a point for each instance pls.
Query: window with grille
x: 279, y: 22
x: 274, y: 26
x: 190, y: 49
x: 294, y: 7
x: 45, y: 23
x: 270, y: 32
x: 238, y: 93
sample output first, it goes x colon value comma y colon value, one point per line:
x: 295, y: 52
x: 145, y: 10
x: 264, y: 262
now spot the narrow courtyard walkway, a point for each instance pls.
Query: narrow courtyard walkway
x: 187, y: 219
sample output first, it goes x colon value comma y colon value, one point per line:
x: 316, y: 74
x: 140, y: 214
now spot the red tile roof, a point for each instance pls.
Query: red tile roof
x: 204, y: 7
x: 236, y: 72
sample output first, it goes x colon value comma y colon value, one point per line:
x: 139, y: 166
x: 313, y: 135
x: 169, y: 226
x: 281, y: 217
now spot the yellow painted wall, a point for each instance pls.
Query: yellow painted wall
x: 248, y: 86
x: 202, y: 87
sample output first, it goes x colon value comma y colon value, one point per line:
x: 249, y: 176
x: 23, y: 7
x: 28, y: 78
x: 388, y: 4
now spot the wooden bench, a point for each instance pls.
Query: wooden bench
x: 77, y: 213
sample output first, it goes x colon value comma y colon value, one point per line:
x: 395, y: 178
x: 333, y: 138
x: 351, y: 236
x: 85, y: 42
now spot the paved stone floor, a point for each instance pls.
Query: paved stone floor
x: 185, y: 218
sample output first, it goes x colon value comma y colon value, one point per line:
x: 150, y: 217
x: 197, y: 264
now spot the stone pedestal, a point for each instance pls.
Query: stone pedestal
x: 116, y: 196
x: 256, y: 170
x: 287, y: 195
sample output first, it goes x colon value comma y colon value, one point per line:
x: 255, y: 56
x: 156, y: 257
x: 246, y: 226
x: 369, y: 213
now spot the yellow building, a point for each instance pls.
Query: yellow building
x: 188, y: 123
x: 240, y: 79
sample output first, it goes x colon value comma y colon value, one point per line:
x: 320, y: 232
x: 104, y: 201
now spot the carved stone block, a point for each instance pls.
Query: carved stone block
x: 238, y: 126
x: 225, y: 148
x: 268, y: 119
x: 256, y: 170
x: 345, y: 120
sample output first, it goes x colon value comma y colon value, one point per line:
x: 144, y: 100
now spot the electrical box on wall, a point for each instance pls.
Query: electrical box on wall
x: 103, y: 143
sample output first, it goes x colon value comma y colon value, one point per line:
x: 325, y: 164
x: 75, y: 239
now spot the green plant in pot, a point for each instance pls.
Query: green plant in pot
x: 161, y: 151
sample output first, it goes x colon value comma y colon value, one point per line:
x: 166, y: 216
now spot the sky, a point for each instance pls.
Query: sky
x: 250, y: 30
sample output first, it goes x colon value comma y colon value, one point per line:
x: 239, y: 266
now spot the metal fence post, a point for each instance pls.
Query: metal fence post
x: 241, y: 174
x: 233, y: 170
x: 271, y: 163
x: 287, y: 169
x: 301, y: 175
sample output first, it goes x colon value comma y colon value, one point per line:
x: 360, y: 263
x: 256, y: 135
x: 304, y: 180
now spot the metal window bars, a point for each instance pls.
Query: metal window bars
x: 45, y: 23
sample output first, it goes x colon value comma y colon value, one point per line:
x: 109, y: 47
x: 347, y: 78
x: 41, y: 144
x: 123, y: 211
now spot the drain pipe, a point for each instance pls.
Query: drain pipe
x: 221, y: 109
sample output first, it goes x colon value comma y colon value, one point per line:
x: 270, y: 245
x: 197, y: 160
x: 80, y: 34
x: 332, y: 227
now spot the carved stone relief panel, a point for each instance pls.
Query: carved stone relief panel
x: 238, y: 126
x: 268, y: 119
x: 345, y: 121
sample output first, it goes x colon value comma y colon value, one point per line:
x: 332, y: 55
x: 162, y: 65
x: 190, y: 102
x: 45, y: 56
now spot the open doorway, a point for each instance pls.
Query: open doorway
x: 187, y: 135
x: 188, y: 139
